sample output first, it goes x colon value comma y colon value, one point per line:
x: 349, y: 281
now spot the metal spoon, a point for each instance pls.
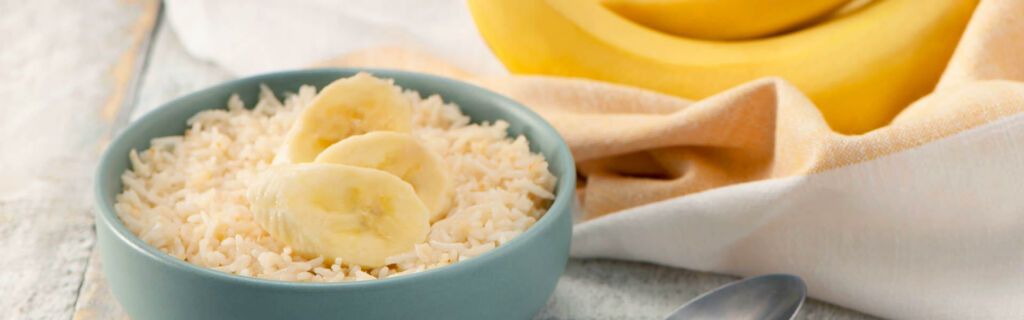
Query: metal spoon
x: 767, y: 297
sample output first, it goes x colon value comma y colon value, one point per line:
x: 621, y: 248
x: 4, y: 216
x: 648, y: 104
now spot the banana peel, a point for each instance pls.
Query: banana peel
x: 860, y: 69
x: 724, y: 19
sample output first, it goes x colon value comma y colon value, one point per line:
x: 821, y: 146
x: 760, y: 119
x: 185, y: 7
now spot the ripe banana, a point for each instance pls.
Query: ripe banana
x: 723, y: 19
x: 336, y: 211
x: 346, y: 107
x: 860, y: 69
x: 399, y: 154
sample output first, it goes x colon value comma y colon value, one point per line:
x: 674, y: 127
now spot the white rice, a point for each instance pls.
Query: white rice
x: 186, y: 195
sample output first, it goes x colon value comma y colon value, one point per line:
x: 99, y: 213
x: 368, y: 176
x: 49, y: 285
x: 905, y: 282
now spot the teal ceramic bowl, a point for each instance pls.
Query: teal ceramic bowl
x: 512, y: 281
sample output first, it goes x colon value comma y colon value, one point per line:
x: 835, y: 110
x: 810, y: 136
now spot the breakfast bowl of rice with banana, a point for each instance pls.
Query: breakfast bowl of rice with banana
x: 336, y: 193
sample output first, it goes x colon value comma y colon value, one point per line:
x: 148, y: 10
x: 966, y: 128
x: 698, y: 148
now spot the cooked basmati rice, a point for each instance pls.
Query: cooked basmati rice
x: 186, y: 195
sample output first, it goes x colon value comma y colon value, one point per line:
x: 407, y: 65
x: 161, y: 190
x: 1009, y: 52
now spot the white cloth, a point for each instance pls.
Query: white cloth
x: 906, y: 236
x: 934, y: 232
x: 256, y: 36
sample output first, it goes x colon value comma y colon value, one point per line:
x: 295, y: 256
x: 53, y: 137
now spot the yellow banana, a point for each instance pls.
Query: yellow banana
x: 860, y: 69
x: 357, y: 214
x: 723, y: 19
x: 401, y: 155
x: 345, y: 107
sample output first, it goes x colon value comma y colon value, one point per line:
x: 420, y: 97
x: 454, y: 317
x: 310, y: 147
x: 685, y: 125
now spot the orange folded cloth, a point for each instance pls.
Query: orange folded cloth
x: 635, y: 146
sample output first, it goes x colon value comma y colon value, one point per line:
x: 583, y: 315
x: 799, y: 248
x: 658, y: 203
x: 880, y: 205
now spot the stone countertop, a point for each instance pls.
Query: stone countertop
x: 82, y: 70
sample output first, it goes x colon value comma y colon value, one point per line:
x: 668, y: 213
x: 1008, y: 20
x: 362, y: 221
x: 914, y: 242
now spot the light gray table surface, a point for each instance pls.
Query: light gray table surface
x: 70, y: 65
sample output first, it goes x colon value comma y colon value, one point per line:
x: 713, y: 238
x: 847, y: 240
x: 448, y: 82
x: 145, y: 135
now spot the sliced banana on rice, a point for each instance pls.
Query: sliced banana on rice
x: 346, y: 107
x: 357, y: 214
x: 402, y: 155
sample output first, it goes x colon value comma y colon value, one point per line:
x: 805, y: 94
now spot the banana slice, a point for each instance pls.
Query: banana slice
x: 402, y: 155
x: 336, y: 211
x: 346, y: 107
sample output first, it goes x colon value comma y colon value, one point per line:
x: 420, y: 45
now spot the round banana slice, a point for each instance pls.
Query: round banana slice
x: 402, y: 155
x: 346, y: 107
x: 357, y: 214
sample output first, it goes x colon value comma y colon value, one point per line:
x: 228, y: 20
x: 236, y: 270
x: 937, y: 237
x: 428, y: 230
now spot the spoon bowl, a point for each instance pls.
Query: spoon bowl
x: 767, y: 297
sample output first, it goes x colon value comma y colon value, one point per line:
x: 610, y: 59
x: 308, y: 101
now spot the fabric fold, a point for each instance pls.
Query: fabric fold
x: 929, y: 233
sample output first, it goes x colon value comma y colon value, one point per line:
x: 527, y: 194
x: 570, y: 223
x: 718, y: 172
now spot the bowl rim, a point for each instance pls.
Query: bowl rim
x: 562, y: 205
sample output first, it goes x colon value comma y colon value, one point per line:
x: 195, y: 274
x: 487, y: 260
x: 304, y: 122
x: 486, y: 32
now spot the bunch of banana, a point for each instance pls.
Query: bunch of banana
x: 350, y: 182
x: 859, y: 67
